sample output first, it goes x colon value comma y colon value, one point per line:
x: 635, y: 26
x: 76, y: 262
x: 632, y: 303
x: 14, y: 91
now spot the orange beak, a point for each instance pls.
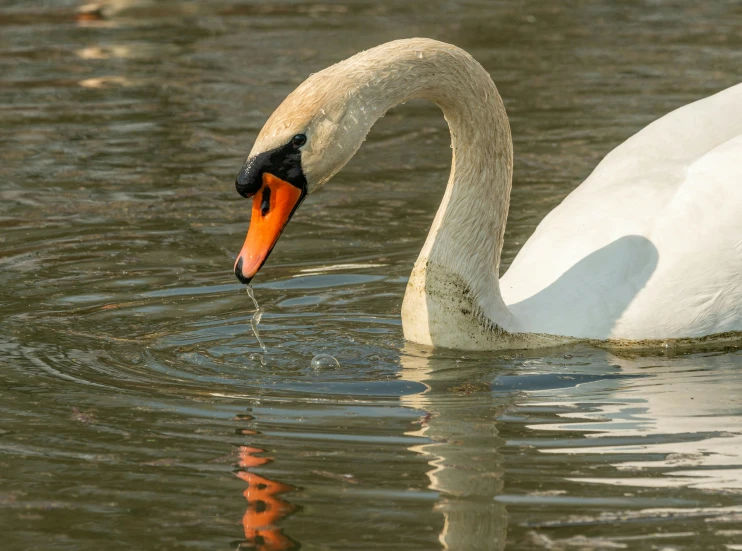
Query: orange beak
x: 272, y: 207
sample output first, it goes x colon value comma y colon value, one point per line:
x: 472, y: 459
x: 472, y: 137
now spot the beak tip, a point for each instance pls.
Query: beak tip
x: 238, y: 272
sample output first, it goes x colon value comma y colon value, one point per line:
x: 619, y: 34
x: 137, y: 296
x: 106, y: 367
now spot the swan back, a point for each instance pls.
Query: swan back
x: 672, y: 195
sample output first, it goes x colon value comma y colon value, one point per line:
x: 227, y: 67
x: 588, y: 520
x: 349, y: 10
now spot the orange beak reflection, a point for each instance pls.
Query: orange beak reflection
x: 272, y: 207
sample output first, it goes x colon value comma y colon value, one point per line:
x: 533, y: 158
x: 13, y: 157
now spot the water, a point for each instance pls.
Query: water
x: 256, y: 317
x: 135, y: 412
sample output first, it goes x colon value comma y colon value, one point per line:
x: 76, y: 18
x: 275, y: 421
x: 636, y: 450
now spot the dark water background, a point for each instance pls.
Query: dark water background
x: 135, y: 410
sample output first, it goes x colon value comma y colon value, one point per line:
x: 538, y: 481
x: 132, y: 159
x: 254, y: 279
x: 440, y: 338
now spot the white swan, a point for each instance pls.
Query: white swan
x: 649, y: 247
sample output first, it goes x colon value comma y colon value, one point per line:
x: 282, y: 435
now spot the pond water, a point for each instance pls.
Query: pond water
x: 137, y: 410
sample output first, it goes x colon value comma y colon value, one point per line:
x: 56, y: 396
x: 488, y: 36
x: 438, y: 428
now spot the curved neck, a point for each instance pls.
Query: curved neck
x: 467, y: 233
x: 477, y: 197
x: 465, y: 241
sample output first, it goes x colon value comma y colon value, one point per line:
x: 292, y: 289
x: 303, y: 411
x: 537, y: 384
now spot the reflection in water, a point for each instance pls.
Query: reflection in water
x: 264, y: 508
x: 466, y: 465
x: 680, y: 429
x: 658, y: 423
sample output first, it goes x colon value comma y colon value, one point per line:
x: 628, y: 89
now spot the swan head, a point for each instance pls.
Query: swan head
x: 306, y: 141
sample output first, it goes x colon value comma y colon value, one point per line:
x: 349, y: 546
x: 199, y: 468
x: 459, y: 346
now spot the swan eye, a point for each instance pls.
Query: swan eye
x: 299, y: 140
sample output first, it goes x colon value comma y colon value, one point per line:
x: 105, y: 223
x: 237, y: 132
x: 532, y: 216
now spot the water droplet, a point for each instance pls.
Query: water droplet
x: 324, y: 361
x: 420, y: 55
x: 256, y: 317
x: 258, y: 358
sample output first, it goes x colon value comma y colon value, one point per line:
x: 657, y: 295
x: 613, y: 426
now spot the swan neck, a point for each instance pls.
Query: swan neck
x: 453, y: 291
x: 459, y: 263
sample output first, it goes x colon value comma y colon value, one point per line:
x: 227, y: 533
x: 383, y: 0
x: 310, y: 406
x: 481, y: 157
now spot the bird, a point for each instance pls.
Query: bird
x: 646, y: 251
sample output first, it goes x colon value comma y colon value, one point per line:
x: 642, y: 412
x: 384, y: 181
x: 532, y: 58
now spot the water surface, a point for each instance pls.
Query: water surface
x: 138, y: 411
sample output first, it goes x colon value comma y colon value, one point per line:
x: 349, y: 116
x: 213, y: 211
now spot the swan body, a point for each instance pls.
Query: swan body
x: 658, y: 228
x: 649, y: 247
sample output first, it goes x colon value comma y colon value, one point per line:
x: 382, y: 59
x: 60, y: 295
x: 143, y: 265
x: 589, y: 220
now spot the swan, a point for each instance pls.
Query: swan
x: 647, y: 249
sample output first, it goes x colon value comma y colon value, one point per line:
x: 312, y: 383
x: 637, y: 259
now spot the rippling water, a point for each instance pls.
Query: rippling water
x: 137, y: 410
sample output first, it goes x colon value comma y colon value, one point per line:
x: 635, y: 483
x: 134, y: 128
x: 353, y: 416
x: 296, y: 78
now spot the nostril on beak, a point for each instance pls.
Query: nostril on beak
x: 238, y: 273
x: 265, y: 204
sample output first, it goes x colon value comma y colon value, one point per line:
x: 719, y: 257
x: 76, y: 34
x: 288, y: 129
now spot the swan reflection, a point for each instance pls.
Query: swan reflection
x: 265, y: 508
x: 679, y: 425
x: 659, y: 422
x: 466, y: 467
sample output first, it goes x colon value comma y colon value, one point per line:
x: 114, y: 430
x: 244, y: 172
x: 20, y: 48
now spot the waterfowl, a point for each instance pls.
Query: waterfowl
x: 647, y: 248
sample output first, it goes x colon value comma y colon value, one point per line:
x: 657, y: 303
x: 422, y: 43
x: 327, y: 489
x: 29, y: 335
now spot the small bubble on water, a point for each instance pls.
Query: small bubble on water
x: 324, y: 361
